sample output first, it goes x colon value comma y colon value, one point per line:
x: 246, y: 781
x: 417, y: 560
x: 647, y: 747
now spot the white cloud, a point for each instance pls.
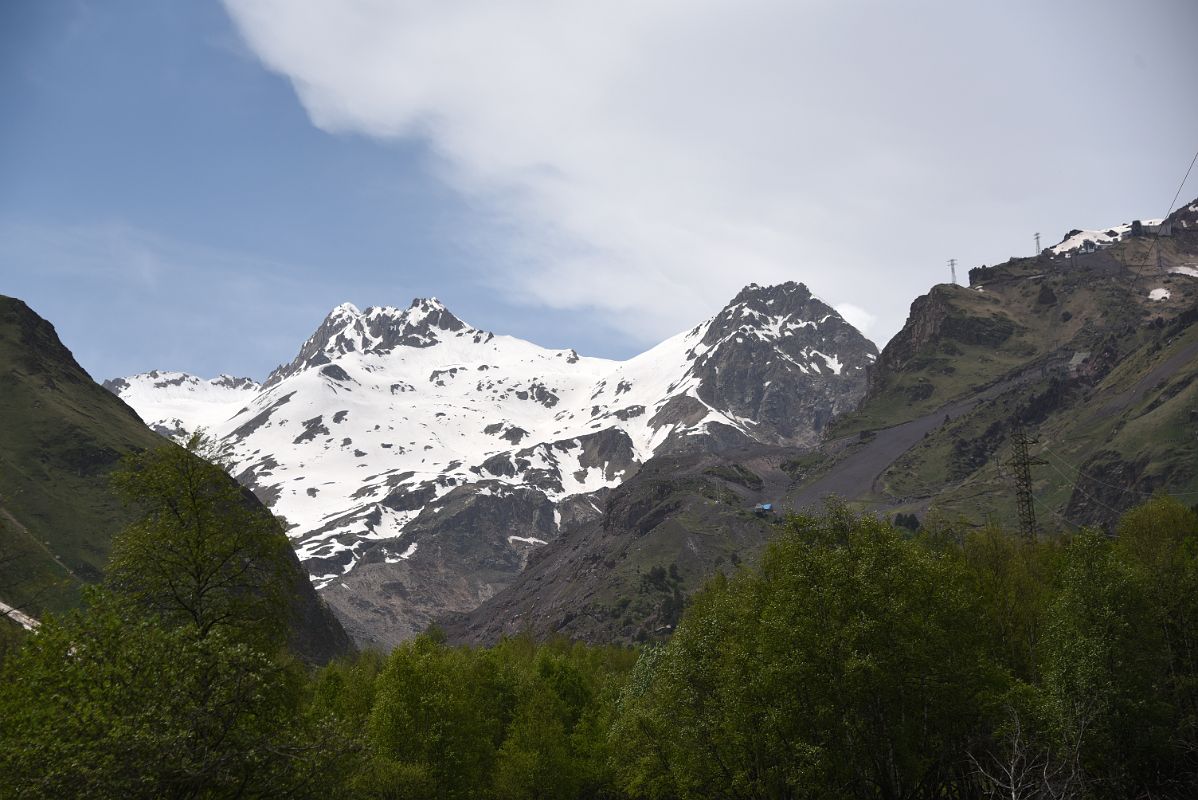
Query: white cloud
x: 647, y: 159
x: 856, y: 316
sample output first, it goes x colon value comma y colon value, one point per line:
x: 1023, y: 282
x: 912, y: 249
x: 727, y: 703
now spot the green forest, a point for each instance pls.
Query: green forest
x: 856, y: 659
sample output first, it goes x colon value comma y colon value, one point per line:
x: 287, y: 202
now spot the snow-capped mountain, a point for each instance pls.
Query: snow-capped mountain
x: 392, y: 427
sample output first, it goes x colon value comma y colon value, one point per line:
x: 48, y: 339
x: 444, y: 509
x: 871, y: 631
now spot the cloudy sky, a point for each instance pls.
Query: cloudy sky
x: 194, y: 185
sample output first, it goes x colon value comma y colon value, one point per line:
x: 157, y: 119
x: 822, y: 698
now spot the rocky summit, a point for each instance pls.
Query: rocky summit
x: 419, y: 460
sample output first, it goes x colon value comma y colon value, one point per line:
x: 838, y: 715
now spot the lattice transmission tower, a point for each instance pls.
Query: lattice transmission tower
x: 1021, y: 464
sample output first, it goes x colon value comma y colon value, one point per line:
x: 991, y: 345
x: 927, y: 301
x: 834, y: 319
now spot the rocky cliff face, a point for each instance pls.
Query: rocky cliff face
x: 624, y: 575
x: 924, y: 321
x: 379, y: 330
x: 784, y: 360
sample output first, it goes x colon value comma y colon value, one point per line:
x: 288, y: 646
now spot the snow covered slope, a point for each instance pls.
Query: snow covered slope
x: 360, y: 440
x: 176, y: 404
x: 1076, y: 239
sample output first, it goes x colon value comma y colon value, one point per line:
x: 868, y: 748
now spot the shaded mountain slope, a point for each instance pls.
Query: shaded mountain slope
x: 61, y: 437
x: 624, y: 576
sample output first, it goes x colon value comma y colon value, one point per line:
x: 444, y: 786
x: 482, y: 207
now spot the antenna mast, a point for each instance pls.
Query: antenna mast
x: 1038, y: 250
x: 952, y: 265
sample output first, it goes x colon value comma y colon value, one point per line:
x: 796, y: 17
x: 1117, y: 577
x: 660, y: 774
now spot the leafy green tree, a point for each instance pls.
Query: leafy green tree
x: 436, y: 721
x: 1104, y: 658
x: 170, y: 682
x: 99, y: 704
x: 850, y: 664
x: 535, y: 757
x: 555, y: 745
x: 204, y: 554
x: 1014, y: 582
x: 518, y: 720
x: 343, y: 694
x: 1159, y: 542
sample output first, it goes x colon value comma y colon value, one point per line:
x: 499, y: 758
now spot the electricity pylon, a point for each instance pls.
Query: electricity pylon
x: 1021, y: 465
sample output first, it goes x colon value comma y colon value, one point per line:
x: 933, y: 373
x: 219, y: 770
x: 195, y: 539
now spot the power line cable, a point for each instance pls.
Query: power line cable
x: 1172, y: 204
x: 1090, y: 477
x: 1182, y: 185
x: 1057, y: 514
x: 1089, y: 496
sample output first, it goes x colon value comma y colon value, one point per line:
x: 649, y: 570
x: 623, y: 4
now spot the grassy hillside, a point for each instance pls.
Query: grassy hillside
x: 1081, y: 352
x: 61, y: 436
x: 1104, y: 446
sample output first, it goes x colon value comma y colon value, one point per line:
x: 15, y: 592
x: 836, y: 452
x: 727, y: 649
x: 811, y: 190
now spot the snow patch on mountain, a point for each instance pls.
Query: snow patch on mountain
x: 1076, y: 239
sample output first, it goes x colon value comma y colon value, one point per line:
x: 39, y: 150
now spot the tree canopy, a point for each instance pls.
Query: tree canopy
x: 854, y: 660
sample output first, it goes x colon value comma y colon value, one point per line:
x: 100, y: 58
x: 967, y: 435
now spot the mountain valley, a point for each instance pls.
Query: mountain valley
x: 431, y: 472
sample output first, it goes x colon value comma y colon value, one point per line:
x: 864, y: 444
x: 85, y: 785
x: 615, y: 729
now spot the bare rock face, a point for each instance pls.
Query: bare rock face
x: 623, y: 576
x: 927, y: 316
x: 785, y: 360
x: 460, y: 551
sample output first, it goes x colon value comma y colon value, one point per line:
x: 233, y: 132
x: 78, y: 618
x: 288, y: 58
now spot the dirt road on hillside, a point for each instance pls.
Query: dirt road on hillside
x: 858, y: 473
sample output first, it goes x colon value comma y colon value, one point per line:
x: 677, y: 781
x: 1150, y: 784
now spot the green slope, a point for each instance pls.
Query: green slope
x: 61, y: 434
x: 1077, y: 351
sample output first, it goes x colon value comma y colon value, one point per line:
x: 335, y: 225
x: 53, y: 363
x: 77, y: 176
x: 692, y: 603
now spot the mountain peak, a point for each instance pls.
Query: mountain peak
x: 431, y: 313
x: 769, y: 312
x: 427, y: 303
x: 378, y: 329
x: 781, y: 291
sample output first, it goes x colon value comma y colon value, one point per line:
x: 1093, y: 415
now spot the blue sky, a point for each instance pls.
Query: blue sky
x: 194, y: 185
x: 167, y: 204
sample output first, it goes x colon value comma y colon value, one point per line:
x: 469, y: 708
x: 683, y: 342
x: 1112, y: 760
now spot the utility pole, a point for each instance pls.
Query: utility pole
x: 952, y: 265
x: 1021, y: 463
x: 1038, y: 250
